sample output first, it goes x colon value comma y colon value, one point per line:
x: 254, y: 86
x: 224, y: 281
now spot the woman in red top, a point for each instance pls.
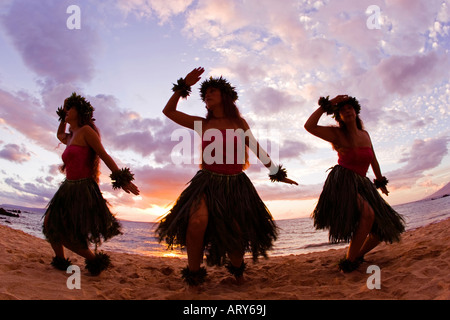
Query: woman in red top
x: 350, y: 205
x: 220, y: 211
x: 78, y: 215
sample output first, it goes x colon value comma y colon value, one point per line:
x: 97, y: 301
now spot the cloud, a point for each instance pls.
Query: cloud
x: 159, y: 186
x: 37, y: 193
x: 162, y: 9
x: 38, y: 31
x: 25, y: 114
x: 215, y: 19
x: 405, y: 74
x: 122, y: 129
x: 269, y: 101
x: 281, y: 191
x: 425, y: 155
x: 292, y: 149
x: 296, y: 43
x: 119, y: 129
x: 53, y: 95
x: 15, y: 153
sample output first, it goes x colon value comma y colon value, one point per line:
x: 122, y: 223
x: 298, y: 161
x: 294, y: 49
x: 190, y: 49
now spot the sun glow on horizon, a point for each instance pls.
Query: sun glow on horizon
x: 152, y: 214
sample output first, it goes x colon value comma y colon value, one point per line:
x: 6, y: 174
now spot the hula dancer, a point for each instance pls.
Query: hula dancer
x: 350, y: 205
x: 78, y: 215
x: 220, y: 211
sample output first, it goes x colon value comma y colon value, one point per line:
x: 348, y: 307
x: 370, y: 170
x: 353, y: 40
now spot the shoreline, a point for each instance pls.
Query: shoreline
x: 415, y: 268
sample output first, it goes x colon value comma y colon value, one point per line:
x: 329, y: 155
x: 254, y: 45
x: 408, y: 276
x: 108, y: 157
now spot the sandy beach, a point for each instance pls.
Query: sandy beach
x: 415, y: 268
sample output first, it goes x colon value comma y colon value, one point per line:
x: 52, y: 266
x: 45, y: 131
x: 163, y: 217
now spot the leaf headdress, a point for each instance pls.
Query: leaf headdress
x: 333, y: 108
x: 219, y: 83
x: 84, y: 108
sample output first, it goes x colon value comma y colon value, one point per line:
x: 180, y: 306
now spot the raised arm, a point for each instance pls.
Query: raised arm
x: 61, y: 133
x: 170, y: 110
x: 329, y: 134
x: 93, y: 140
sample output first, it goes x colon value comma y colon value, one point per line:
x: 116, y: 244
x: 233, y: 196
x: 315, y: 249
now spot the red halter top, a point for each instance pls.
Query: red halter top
x: 78, y: 161
x: 223, y: 155
x: 357, y: 159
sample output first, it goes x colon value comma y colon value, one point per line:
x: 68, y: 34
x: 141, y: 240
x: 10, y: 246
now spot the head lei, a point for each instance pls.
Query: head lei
x: 219, y: 83
x: 84, y: 107
x: 334, y: 108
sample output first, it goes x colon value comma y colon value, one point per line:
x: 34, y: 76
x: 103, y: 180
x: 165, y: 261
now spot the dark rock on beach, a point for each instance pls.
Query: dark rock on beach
x: 8, y: 213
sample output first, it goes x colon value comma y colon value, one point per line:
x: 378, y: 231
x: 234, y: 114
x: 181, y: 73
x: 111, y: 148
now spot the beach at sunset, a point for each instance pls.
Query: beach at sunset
x: 123, y: 125
x: 415, y: 268
x: 125, y: 56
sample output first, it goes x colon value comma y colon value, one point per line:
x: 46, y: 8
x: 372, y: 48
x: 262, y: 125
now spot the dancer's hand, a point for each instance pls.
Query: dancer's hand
x: 194, y: 76
x: 131, y: 188
x: 289, y: 181
x: 339, y: 99
x: 384, y: 190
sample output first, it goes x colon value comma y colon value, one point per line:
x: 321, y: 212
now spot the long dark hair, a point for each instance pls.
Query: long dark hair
x: 85, y: 113
x: 230, y: 109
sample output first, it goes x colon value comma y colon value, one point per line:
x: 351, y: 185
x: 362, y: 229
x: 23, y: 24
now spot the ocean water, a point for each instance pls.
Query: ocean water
x: 297, y: 236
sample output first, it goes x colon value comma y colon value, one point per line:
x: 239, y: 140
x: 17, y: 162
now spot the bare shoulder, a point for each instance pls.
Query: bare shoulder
x: 86, y: 129
x: 336, y: 135
x: 89, y: 135
x: 367, y: 135
x: 245, y: 124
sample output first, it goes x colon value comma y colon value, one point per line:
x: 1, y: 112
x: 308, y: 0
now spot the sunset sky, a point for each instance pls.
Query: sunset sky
x: 281, y: 56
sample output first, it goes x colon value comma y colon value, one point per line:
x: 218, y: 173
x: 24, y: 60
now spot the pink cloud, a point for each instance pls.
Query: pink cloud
x: 15, y: 153
x: 158, y: 186
x: 404, y: 74
x: 38, y: 31
x: 127, y: 130
x: 215, y: 18
x: 119, y: 129
x: 412, y: 15
x: 162, y: 9
x: 293, y: 149
x: 425, y: 155
x: 269, y: 101
x: 280, y: 191
x: 25, y: 114
x: 29, y: 192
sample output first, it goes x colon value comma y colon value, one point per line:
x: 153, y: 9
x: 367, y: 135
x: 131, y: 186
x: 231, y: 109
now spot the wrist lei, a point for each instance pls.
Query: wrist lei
x: 279, y: 175
x: 121, y: 178
x: 327, y: 106
x: 61, y: 114
x: 380, y: 183
x: 181, y: 86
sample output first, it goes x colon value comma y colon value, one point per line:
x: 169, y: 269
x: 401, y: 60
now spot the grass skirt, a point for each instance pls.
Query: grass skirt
x: 78, y: 214
x: 338, y: 210
x: 237, y: 217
